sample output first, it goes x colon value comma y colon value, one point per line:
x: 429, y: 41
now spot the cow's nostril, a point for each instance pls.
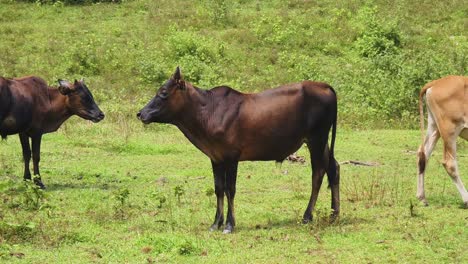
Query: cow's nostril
x: 138, y: 114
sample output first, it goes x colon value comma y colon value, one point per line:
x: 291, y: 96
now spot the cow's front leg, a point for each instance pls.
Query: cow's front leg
x: 219, y: 173
x: 36, y: 156
x: 26, y: 148
x: 230, y: 190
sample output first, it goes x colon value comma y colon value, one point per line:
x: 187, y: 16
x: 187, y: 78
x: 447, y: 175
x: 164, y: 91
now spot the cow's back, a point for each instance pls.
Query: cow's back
x: 296, y: 104
x: 275, y: 123
x: 447, y: 98
x: 32, y: 90
x: 26, y: 104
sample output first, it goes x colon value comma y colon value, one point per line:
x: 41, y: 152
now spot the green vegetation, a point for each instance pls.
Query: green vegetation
x: 143, y: 203
x: 121, y: 192
x: 377, y: 54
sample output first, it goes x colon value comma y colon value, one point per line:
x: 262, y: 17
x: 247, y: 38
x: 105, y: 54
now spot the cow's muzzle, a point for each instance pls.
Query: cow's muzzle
x: 100, y: 116
x: 143, y: 118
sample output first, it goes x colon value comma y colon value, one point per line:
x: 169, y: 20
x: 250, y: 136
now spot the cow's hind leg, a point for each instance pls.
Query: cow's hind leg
x: 319, y: 161
x: 450, y: 164
x: 219, y: 173
x: 424, y: 153
x: 333, y: 173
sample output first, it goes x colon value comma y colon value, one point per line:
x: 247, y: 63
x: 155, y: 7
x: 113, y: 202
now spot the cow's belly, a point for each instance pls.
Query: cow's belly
x: 11, y: 125
x: 277, y: 150
x: 464, y: 133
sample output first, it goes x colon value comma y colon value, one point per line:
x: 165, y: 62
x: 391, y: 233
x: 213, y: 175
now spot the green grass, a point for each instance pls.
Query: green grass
x: 113, y: 200
x: 119, y: 192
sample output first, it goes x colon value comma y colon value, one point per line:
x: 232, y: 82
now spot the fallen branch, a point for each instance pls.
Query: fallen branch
x: 360, y: 163
x: 295, y: 158
x: 198, y: 178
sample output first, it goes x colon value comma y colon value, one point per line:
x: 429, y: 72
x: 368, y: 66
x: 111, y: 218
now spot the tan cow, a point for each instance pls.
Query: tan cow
x: 447, y: 107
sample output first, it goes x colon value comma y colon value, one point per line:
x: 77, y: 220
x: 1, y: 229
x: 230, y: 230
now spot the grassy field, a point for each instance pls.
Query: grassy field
x: 121, y: 192
x: 146, y: 195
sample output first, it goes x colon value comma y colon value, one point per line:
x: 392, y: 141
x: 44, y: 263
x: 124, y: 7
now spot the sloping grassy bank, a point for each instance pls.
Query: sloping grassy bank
x: 377, y: 54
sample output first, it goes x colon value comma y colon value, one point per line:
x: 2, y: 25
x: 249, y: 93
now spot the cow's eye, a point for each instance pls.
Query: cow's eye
x: 163, y: 94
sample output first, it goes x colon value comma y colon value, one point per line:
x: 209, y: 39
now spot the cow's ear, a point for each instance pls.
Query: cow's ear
x: 178, y: 78
x: 177, y: 75
x: 65, y: 87
x: 181, y: 84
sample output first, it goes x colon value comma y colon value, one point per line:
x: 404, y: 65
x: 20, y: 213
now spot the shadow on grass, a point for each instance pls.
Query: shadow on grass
x: 437, y: 200
x: 318, y: 223
x: 133, y: 148
x: 351, y: 220
x: 78, y: 186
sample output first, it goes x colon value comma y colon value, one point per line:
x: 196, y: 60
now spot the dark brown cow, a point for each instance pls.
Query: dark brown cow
x: 229, y: 126
x: 30, y: 108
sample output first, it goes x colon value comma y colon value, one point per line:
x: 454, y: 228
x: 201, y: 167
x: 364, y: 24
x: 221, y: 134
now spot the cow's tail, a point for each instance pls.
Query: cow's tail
x: 332, y: 143
x: 5, y: 102
x: 333, y: 167
x: 421, y: 154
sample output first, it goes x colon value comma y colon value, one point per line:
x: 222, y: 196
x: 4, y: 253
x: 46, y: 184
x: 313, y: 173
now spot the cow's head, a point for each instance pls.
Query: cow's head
x: 80, y: 101
x: 167, y: 103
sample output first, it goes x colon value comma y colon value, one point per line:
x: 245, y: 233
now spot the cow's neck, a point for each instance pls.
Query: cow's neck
x: 58, y: 111
x: 194, y: 120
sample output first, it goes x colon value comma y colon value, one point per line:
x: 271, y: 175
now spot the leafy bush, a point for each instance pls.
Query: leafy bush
x: 376, y: 57
x: 152, y: 69
x: 198, y: 55
x: 375, y: 38
x: 173, y: 245
x: 82, y: 56
x: 121, y: 207
x: 299, y: 66
x: 24, y: 195
x: 34, y: 198
x: 219, y: 11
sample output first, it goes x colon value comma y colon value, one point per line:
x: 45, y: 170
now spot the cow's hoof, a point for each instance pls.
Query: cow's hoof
x: 213, y: 228
x: 228, y: 229
x: 334, y: 216
x: 306, y: 220
x: 40, y: 184
x: 423, y: 200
